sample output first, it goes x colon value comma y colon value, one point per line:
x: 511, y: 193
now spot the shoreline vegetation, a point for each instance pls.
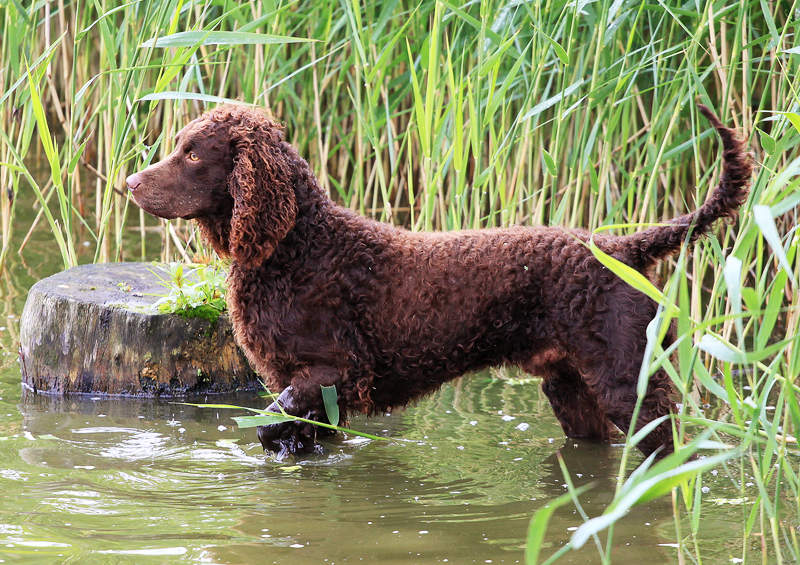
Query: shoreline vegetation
x: 442, y: 115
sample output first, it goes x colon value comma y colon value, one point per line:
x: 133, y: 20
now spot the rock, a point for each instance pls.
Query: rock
x: 93, y: 329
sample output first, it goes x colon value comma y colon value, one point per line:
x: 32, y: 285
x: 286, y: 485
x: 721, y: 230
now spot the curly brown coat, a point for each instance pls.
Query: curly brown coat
x: 321, y: 296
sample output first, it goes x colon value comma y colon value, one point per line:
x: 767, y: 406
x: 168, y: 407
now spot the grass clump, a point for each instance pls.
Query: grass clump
x: 194, y: 291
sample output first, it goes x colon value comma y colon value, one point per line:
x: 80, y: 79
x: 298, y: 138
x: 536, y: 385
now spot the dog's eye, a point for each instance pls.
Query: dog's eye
x: 193, y: 156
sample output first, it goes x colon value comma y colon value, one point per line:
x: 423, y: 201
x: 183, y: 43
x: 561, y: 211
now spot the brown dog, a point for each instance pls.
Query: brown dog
x: 321, y: 296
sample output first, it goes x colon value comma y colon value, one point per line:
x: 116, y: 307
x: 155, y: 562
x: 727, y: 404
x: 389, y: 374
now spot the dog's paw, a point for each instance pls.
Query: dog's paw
x: 290, y: 438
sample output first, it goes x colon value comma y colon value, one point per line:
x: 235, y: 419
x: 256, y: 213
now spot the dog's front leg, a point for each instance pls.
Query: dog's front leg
x: 302, y: 398
x: 287, y: 438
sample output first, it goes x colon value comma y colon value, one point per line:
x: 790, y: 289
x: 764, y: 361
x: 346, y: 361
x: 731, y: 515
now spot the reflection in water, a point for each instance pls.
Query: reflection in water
x: 127, y: 480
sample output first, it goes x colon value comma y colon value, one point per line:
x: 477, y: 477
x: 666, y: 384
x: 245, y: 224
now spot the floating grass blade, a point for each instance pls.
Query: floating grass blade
x: 265, y: 418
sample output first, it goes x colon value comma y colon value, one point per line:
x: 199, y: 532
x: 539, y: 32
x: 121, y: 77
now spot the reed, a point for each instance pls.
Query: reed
x: 443, y: 115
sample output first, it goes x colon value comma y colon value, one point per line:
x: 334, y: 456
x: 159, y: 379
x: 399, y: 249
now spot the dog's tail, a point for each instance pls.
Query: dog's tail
x: 648, y: 246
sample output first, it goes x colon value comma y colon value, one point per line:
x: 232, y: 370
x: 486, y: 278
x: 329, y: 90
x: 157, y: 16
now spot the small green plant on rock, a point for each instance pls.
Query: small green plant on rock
x: 194, y: 291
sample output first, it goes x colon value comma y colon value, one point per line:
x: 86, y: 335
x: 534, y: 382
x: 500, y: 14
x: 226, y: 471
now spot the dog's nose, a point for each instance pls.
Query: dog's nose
x: 134, y: 181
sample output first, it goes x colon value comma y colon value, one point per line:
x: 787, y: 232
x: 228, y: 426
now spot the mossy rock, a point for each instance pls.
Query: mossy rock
x: 93, y: 329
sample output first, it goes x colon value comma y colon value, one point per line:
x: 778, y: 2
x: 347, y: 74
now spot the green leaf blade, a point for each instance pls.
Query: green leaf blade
x: 192, y: 38
x: 330, y: 400
x: 266, y: 419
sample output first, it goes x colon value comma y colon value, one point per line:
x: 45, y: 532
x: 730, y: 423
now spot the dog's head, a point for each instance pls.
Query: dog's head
x: 232, y: 172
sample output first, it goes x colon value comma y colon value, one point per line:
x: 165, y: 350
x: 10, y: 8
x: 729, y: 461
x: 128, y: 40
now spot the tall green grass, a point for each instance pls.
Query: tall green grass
x: 444, y: 115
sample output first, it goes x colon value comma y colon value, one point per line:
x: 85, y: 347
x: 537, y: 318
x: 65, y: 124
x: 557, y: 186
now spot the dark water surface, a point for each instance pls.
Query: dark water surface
x: 92, y: 480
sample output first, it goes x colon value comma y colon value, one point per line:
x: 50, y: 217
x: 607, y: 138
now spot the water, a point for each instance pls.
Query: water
x: 95, y: 480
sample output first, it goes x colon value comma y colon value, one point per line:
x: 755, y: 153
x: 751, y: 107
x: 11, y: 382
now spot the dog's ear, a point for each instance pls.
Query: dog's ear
x: 264, y: 202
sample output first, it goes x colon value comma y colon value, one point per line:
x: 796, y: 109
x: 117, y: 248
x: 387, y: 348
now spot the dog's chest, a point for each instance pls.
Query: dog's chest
x: 275, y: 317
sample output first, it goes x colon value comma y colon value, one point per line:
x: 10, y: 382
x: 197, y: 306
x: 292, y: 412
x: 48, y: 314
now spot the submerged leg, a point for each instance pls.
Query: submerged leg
x: 575, y: 406
x: 302, y: 398
x: 616, y: 394
x: 287, y: 438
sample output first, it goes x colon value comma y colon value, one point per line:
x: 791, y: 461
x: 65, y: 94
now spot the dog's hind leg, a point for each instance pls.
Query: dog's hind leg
x: 575, y: 406
x: 616, y: 395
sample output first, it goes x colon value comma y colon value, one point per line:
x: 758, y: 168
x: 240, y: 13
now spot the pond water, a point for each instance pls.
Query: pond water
x: 95, y: 480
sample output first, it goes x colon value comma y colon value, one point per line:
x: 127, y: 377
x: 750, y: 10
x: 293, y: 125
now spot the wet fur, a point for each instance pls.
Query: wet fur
x: 319, y: 295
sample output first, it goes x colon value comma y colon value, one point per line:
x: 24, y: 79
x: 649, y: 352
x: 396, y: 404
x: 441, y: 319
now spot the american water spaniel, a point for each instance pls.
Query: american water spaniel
x: 319, y: 295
